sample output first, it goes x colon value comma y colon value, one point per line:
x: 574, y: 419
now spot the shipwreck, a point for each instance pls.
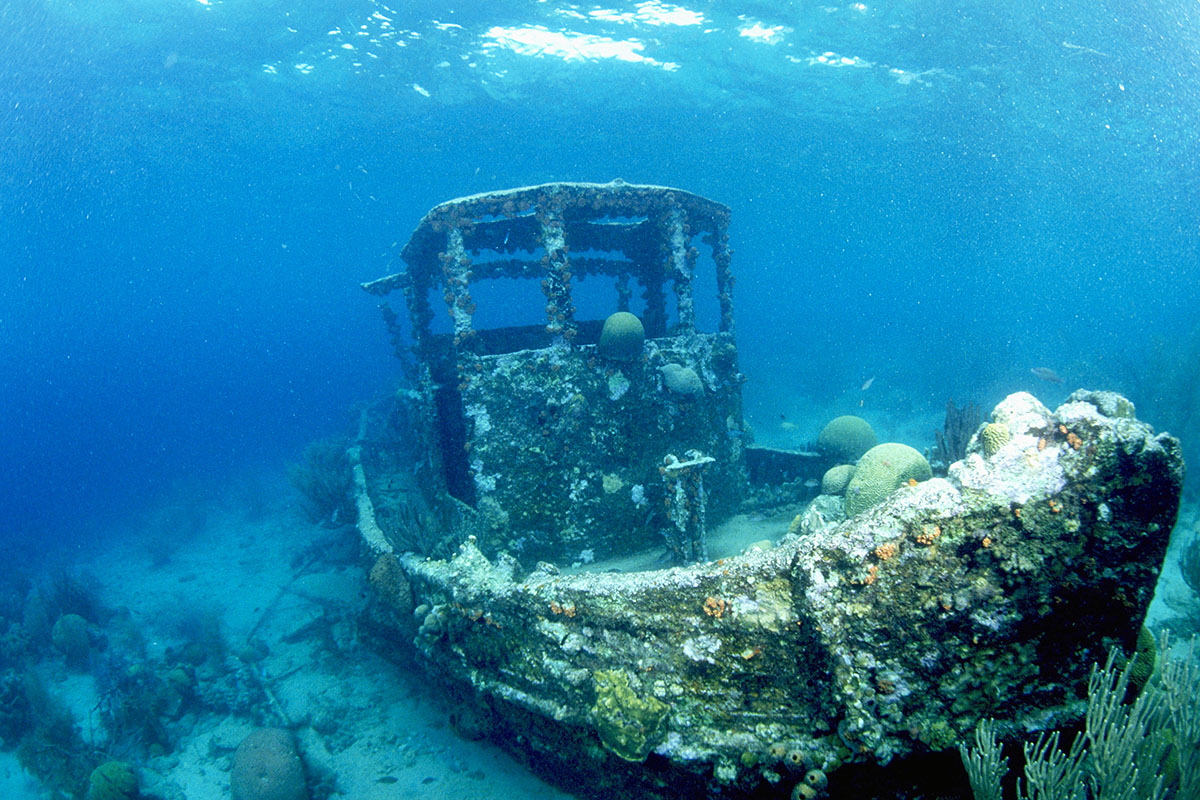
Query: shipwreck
x: 548, y: 511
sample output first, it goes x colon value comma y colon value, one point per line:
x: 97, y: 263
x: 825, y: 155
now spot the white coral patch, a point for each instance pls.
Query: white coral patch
x: 618, y: 385
x: 1022, y: 413
x: 1014, y: 473
x: 485, y: 483
x: 1072, y: 413
x: 702, y: 648
x: 478, y: 413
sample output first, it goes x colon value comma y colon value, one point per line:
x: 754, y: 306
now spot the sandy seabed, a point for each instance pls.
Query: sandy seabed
x: 367, y: 727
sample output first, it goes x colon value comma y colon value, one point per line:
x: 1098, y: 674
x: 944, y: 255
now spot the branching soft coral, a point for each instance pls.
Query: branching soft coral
x: 325, y: 483
x: 956, y: 433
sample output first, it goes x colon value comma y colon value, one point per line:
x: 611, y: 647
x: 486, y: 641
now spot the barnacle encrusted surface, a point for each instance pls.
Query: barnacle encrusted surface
x: 989, y: 592
x: 547, y: 427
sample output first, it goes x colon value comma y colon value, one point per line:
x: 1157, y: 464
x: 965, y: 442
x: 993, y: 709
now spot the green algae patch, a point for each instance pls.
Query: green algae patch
x: 629, y: 726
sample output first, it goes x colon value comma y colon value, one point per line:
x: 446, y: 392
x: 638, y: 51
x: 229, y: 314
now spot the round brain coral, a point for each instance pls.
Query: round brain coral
x: 622, y: 337
x: 846, y: 438
x: 882, y: 470
x: 994, y: 436
x: 835, y: 479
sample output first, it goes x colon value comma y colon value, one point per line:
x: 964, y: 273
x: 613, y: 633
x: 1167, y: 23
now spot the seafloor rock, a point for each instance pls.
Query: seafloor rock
x: 988, y: 593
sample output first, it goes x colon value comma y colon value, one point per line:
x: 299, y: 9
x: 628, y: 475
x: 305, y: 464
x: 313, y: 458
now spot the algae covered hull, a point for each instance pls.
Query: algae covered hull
x: 989, y: 593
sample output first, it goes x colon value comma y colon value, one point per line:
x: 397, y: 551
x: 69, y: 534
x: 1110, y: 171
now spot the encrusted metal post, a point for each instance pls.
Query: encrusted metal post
x: 722, y: 257
x: 415, y: 286
x: 686, y: 505
x: 416, y: 297
x: 455, y: 268
x: 456, y: 271
x: 556, y: 263
x: 682, y: 267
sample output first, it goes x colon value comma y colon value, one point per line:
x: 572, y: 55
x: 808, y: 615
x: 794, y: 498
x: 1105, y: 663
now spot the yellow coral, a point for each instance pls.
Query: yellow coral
x: 994, y: 436
x: 628, y: 725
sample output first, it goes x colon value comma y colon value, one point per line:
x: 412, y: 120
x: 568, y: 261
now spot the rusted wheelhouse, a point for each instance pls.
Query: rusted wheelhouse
x: 537, y: 444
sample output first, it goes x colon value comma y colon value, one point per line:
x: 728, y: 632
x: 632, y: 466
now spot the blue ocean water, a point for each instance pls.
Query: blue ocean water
x: 942, y: 195
x: 932, y: 196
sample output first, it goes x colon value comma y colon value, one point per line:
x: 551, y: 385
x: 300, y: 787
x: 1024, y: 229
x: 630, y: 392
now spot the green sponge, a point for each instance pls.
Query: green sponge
x: 882, y: 470
x: 112, y: 780
x: 629, y: 726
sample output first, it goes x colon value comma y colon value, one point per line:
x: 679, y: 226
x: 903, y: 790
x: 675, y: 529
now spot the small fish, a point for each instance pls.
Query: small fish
x: 387, y: 779
x: 1083, y: 49
x: 789, y: 426
x: 867, y: 383
x: 1046, y: 374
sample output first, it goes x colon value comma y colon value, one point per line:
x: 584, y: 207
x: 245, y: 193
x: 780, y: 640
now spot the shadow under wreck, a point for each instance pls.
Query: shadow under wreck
x: 495, y: 496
